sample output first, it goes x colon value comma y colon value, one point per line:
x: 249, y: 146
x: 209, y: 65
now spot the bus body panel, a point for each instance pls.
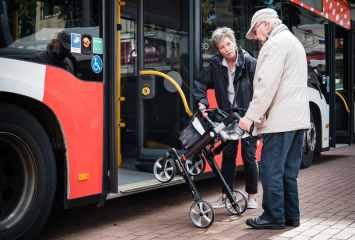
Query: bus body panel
x: 313, y: 96
x: 79, y: 108
x: 23, y: 78
x: 77, y: 104
x: 337, y: 11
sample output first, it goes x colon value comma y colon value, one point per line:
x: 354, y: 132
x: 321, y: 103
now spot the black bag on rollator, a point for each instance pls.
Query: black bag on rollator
x: 193, y: 131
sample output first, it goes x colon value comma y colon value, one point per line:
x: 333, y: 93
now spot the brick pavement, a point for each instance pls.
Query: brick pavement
x: 327, y: 192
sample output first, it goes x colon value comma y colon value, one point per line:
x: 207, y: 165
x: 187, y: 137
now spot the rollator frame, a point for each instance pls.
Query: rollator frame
x: 205, y: 149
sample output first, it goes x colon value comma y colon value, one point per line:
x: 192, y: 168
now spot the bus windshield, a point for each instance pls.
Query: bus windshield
x: 30, y: 27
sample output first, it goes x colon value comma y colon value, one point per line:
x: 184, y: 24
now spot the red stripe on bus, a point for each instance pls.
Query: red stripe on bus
x: 336, y: 11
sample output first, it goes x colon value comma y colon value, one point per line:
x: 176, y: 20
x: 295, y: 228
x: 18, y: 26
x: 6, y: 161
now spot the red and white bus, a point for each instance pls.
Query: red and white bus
x: 93, y: 134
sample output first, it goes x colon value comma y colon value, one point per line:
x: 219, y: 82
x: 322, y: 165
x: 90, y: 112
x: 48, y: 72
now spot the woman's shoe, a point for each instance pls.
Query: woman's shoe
x: 252, y: 203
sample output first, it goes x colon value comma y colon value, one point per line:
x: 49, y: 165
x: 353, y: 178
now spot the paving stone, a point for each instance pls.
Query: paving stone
x: 321, y: 237
x: 339, y: 225
x: 289, y: 234
x: 310, y: 233
x: 343, y: 235
x: 301, y: 238
x: 332, y: 231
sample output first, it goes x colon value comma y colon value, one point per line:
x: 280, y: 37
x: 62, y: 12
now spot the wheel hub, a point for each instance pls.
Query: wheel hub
x: 17, y: 180
x: 310, y: 138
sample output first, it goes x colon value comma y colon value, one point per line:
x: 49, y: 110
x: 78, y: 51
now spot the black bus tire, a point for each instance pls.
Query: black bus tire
x: 309, y: 155
x: 27, y: 174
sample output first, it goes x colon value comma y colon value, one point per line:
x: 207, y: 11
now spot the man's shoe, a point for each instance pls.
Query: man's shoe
x: 219, y: 203
x: 252, y: 203
x: 260, y: 223
x: 291, y: 222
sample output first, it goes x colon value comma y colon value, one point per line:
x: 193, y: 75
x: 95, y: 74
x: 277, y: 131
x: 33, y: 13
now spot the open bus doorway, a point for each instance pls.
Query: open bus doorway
x: 343, y: 89
x: 157, y: 39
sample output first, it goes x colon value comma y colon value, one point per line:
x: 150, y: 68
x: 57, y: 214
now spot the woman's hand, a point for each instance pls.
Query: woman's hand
x: 202, y: 106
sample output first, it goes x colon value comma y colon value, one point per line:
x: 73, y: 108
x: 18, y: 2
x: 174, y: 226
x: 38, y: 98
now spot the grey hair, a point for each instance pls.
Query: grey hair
x: 272, y: 21
x: 219, y: 34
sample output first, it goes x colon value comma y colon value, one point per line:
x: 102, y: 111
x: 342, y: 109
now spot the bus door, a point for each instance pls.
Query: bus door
x: 344, y: 99
x: 341, y: 86
x: 164, y: 44
x: 152, y: 35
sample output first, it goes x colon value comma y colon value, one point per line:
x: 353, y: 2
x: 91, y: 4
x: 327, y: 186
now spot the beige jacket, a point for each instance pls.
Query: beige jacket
x: 280, y: 99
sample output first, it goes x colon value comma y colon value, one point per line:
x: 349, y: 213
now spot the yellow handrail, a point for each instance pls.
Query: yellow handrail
x: 119, y: 98
x: 173, y: 82
x: 346, y: 105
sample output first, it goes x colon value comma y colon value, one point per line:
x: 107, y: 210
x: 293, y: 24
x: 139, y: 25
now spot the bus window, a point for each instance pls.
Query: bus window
x: 308, y: 29
x: 27, y: 29
x: 235, y: 15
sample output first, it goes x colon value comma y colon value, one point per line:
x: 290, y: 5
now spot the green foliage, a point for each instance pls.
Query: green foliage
x: 27, y: 17
x: 71, y: 12
x: 208, y: 20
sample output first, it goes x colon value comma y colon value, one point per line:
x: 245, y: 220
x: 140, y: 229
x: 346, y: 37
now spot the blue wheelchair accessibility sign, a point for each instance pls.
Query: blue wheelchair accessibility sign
x: 96, y: 64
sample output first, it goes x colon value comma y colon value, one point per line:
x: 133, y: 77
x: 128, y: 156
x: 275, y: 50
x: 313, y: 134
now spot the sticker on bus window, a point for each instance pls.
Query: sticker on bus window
x: 75, y: 43
x: 96, y: 64
x: 97, y: 45
x: 86, y: 42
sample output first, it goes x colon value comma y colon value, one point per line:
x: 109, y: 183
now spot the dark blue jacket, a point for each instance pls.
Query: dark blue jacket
x: 215, y: 76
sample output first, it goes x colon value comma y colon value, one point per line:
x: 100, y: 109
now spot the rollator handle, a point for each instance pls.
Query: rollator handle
x: 232, y: 117
x: 205, y: 116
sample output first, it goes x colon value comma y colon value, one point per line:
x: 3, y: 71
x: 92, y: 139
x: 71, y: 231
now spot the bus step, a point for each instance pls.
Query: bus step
x: 143, y: 186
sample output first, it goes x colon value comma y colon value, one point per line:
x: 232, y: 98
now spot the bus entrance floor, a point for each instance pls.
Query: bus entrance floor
x: 327, y: 204
x: 127, y: 172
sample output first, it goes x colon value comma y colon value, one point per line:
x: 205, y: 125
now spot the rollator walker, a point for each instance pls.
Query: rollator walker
x: 203, y: 139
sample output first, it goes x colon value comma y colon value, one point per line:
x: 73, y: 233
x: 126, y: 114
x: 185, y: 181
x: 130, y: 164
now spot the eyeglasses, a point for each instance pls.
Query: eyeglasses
x: 254, y: 29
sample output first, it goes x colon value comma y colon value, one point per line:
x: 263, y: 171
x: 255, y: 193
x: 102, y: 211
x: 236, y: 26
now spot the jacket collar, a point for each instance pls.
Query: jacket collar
x: 225, y: 63
x: 277, y: 30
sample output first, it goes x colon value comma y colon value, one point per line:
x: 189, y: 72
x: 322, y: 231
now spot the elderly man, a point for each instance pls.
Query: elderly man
x: 280, y: 111
x: 230, y: 72
x: 57, y: 53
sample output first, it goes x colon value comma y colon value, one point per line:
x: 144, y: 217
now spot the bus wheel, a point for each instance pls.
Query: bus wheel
x: 27, y: 174
x: 309, y: 144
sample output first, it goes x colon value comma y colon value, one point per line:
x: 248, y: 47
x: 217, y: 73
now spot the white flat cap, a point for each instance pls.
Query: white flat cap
x: 260, y: 16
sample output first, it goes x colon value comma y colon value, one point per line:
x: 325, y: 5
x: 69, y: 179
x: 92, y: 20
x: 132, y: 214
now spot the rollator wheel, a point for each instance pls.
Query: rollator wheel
x: 242, y: 203
x: 202, y: 214
x: 169, y: 172
x: 196, y: 166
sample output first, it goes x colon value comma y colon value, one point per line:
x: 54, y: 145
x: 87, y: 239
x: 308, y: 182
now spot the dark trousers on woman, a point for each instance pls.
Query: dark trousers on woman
x: 251, y: 172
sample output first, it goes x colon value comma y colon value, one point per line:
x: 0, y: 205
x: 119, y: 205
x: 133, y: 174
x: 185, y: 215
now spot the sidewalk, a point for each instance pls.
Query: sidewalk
x: 327, y: 202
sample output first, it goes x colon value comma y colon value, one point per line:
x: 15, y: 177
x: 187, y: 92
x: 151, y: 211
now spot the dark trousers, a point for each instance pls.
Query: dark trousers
x: 251, y: 172
x: 280, y: 163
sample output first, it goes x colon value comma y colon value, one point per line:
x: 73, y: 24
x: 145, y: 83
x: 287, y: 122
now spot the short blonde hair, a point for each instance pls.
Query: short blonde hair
x: 219, y: 34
